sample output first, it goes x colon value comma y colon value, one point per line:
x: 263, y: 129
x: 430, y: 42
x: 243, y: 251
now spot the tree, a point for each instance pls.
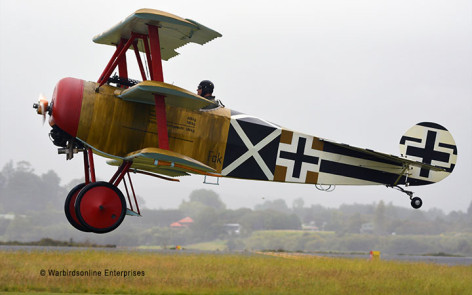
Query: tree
x: 269, y: 220
x: 206, y: 225
x: 192, y: 209
x: 24, y: 166
x: 208, y: 198
x: 380, y: 219
x: 469, y: 211
x: 200, y: 200
x: 52, y: 192
x: 22, y: 190
x: 278, y: 205
x: 298, y: 204
x: 354, y: 223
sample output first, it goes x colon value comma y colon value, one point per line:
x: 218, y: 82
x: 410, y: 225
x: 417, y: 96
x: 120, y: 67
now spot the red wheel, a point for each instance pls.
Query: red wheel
x: 69, y: 208
x: 100, y: 207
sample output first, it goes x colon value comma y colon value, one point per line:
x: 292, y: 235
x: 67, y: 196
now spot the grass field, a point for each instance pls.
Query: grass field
x: 115, y: 272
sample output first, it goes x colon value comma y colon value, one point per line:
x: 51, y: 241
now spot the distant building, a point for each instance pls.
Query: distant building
x: 182, y: 223
x: 176, y: 225
x: 367, y: 228
x: 8, y: 216
x: 310, y: 227
x: 186, y: 221
x: 232, y: 228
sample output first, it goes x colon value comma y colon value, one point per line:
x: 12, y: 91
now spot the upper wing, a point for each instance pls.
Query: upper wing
x: 165, y: 162
x: 174, y: 96
x: 174, y: 31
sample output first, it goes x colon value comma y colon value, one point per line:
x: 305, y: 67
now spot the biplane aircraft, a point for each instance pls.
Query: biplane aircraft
x: 161, y: 130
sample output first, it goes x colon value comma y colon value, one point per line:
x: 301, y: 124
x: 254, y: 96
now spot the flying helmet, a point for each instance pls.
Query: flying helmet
x: 206, y: 86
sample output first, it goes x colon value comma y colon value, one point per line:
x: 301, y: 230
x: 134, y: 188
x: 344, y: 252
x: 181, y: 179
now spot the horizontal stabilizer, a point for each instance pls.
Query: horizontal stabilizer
x: 174, y: 96
x: 386, y: 157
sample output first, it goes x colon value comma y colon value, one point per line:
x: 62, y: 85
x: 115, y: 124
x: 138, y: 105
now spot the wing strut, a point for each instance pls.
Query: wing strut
x: 157, y: 75
x: 154, y: 57
x: 118, y: 58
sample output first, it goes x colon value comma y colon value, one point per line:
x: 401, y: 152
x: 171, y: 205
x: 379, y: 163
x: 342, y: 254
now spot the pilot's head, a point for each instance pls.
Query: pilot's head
x: 205, y: 88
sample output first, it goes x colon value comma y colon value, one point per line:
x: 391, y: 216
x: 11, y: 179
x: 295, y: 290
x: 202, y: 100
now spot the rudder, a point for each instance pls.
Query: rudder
x: 432, y: 144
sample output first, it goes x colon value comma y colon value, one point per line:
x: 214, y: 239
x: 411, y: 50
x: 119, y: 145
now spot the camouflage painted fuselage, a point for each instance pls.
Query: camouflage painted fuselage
x: 242, y: 146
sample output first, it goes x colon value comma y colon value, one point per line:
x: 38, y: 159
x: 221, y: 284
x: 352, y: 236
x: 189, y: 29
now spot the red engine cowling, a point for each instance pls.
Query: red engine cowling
x: 66, y: 105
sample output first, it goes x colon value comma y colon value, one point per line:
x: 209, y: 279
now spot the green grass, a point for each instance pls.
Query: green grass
x: 216, y: 245
x: 34, y: 293
x: 182, y: 273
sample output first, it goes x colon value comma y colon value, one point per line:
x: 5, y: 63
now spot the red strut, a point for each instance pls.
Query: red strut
x: 157, y: 75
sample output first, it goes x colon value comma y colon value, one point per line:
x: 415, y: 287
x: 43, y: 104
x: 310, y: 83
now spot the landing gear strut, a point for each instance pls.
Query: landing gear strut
x: 99, y: 206
x: 416, y: 202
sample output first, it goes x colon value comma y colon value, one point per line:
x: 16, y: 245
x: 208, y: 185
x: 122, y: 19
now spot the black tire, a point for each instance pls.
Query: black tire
x: 416, y: 203
x: 70, y: 212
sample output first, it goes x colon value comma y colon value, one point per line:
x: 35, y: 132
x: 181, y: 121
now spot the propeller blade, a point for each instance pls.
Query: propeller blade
x: 42, y: 106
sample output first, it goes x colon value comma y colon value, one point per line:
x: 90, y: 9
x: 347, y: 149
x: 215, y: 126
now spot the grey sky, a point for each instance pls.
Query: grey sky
x: 358, y: 72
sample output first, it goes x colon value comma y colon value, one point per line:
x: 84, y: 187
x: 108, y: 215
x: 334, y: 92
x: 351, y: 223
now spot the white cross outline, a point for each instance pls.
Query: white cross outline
x: 253, y: 150
x: 290, y: 164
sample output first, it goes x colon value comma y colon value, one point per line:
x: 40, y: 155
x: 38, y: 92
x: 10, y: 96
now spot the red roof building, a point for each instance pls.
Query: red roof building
x: 182, y: 223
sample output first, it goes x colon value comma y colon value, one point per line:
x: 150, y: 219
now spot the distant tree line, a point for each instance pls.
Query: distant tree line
x: 31, y: 208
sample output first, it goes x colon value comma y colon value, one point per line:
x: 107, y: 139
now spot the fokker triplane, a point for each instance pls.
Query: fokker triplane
x: 161, y: 130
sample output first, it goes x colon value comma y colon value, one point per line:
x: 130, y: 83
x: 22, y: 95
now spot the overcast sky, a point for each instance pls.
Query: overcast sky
x: 357, y: 72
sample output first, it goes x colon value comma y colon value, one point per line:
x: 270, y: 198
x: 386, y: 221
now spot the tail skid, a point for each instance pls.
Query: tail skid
x: 416, y: 202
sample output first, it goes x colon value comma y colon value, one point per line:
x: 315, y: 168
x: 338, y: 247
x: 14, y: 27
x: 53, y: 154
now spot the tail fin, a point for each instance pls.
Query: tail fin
x: 432, y: 144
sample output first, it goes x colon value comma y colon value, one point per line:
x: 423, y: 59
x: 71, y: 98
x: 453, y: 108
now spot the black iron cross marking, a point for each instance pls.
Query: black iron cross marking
x: 299, y: 157
x: 428, y: 153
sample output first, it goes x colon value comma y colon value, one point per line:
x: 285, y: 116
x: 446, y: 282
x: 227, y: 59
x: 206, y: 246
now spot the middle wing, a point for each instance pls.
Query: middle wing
x: 175, y: 96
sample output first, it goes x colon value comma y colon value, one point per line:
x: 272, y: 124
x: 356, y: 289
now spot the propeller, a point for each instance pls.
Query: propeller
x: 42, y: 107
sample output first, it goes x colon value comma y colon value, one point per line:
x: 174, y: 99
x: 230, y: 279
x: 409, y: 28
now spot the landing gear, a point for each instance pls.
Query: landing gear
x: 416, y: 202
x: 69, y: 208
x: 100, y: 207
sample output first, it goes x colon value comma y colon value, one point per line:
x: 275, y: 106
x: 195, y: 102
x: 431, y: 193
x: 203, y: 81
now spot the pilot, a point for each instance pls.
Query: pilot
x: 205, y: 89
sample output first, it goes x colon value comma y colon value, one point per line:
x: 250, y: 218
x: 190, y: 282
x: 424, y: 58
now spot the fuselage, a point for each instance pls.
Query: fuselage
x: 115, y: 127
x: 234, y: 144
